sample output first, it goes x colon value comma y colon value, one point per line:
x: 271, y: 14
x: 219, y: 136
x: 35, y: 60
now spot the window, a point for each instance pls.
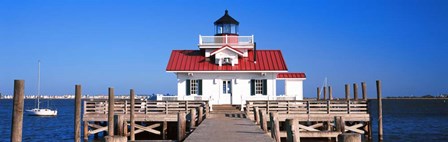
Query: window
x: 258, y: 86
x: 194, y: 86
x: 227, y: 60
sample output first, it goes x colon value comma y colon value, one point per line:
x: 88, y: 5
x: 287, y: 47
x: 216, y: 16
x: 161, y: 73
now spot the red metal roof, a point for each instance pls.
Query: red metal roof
x: 291, y: 75
x: 194, y: 60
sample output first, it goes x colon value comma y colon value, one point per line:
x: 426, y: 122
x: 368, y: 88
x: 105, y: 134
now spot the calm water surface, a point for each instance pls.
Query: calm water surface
x: 404, y: 120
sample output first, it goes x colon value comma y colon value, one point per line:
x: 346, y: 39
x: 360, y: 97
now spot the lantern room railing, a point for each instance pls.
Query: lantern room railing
x: 227, y: 39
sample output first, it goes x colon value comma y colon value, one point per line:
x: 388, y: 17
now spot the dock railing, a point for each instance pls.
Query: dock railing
x: 315, y: 118
x: 310, y: 106
x: 95, y: 108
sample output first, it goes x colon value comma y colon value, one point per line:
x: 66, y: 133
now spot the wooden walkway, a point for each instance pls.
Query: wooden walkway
x: 226, y: 127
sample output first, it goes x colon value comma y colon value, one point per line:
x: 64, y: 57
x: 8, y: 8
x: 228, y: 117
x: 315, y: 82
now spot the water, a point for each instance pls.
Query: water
x: 35, y: 128
x: 412, y: 120
x: 403, y: 120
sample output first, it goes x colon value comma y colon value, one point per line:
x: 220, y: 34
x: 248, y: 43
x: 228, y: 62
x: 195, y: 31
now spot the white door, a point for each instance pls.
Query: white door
x: 226, y: 92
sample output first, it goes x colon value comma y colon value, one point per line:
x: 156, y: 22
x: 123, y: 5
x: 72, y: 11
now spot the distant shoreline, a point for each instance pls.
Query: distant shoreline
x: 304, y: 99
x: 411, y: 99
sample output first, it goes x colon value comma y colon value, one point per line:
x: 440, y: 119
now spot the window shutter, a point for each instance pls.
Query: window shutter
x: 187, y: 87
x: 200, y: 87
x: 265, y: 87
x: 252, y: 87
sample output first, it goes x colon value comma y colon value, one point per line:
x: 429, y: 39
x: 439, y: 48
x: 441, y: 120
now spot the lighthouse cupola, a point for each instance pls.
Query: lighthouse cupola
x: 226, y: 25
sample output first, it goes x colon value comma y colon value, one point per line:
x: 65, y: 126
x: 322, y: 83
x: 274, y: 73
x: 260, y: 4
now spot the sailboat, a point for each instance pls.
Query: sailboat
x: 41, y: 111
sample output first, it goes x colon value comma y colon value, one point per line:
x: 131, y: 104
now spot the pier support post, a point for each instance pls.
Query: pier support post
x: 164, y: 130
x: 355, y: 91
x: 110, y: 119
x: 86, y: 131
x: 330, y: 93
x: 340, y: 124
x: 292, y: 130
x: 181, y: 126
x: 349, y: 137
x: 275, y: 126
x: 77, y: 113
x: 318, y: 94
x: 364, y: 91
x: 192, y: 118
x: 200, y: 115
x: 119, y: 125
x: 347, y: 92
x: 207, y: 110
x: 325, y: 93
x: 132, y: 117
x: 256, y: 115
x: 17, y: 110
x: 380, y: 110
x: 263, y: 120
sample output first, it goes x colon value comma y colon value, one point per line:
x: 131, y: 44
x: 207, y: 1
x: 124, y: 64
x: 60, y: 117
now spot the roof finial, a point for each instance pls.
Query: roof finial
x: 227, y: 12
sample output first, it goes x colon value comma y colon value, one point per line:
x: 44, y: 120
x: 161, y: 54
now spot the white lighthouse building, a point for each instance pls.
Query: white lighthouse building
x: 228, y: 69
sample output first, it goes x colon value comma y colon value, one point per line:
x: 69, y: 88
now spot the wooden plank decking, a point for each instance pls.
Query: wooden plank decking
x: 228, y: 127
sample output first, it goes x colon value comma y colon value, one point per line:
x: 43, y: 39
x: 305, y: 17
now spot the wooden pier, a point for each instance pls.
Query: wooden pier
x: 149, y: 116
x: 315, y: 119
x: 261, y: 120
x: 228, y: 126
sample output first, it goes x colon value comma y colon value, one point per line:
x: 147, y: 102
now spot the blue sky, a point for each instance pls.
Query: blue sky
x: 126, y: 44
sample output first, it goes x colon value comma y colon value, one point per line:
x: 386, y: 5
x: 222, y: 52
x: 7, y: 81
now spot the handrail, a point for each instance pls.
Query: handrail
x: 310, y: 106
x: 219, y: 40
x: 122, y: 106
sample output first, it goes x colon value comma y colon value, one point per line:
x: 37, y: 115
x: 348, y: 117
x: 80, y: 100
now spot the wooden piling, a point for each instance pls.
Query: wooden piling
x: 132, y: 117
x: 330, y: 93
x: 380, y: 110
x: 349, y: 137
x: 256, y: 115
x: 340, y: 124
x: 86, y: 131
x: 292, y: 130
x: 181, y: 126
x: 325, y: 93
x: 318, y: 93
x: 119, y: 125
x: 275, y: 126
x: 17, y: 110
x: 364, y: 91
x: 207, y: 110
x: 111, y: 113
x: 192, y: 118
x: 355, y: 91
x: 263, y: 120
x: 347, y: 92
x: 200, y: 115
x: 77, y: 113
x: 165, y: 130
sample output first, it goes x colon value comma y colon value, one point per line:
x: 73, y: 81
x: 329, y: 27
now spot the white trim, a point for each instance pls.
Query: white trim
x: 267, y: 71
x: 227, y: 47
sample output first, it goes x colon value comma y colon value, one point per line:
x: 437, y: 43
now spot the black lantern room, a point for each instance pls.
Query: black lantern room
x: 226, y: 25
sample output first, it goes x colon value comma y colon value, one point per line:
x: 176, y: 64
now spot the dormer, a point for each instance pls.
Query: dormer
x: 226, y: 55
x: 226, y: 33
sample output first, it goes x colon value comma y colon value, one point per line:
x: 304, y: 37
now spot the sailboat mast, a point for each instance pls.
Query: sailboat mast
x: 38, y: 84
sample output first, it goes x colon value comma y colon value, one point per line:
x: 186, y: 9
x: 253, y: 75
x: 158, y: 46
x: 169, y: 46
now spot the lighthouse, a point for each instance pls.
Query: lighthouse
x: 227, y: 69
